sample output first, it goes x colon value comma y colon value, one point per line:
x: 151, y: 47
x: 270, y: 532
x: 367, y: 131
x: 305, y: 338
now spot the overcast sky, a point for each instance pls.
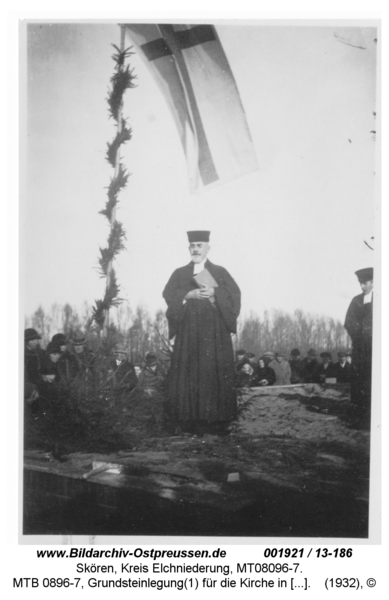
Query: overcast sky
x: 291, y: 234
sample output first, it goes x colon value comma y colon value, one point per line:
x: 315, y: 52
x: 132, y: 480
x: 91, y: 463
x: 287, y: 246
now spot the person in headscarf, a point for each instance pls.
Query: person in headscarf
x: 264, y: 375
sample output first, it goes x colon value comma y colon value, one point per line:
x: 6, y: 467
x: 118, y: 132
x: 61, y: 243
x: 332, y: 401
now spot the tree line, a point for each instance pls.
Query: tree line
x: 281, y: 331
x: 144, y: 332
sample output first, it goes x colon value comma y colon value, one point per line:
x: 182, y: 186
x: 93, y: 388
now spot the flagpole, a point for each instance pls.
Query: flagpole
x: 113, y: 215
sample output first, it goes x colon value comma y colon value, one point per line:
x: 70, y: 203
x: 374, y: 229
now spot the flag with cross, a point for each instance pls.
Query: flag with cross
x: 191, y: 69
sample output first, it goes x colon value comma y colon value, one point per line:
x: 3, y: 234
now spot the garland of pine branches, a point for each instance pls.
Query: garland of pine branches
x: 121, y: 80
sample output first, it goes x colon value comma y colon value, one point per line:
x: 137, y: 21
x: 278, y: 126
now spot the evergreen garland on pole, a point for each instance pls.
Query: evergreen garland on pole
x: 121, y: 80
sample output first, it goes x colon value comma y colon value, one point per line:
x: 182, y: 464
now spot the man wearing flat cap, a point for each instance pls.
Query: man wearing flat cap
x: 85, y: 357
x: 359, y: 326
x: 203, y: 305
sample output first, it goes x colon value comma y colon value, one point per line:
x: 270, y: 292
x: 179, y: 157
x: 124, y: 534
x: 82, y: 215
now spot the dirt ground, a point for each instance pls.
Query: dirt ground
x: 290, y: 466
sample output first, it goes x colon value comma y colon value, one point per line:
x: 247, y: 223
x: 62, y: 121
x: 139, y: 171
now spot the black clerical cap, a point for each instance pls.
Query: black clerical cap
x: 364, y: 274
x: 198, y: 236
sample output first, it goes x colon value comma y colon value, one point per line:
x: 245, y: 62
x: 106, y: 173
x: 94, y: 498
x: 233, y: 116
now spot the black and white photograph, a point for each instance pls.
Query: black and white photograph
x: 199, y: 260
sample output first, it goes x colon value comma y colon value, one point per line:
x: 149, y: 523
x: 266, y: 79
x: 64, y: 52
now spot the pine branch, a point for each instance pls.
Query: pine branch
x: 121, y: 138
x: 109, y: 206
x: 104, y: 260
x: 121, y: 55
x: 117, y: 183
x: 98, y: 313
x: 110, y: 300
x: 115, y: 239
x: 167, y: 346
x: 121, y: 81
x: 115, y: 245
x: 111, y: 297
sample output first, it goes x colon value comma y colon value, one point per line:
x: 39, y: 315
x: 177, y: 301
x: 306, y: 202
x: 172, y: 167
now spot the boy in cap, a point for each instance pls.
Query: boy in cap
x: 359, y: 326
x: 203, y: 305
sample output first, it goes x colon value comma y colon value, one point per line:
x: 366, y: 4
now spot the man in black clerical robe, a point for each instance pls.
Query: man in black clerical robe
x: 201, y: 319
x: 359, y: 326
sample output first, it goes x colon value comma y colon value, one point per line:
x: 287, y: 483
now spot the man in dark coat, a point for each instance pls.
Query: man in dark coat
x: 325, y: 370
x: 296, y: 366
x: 342, y: 368
x: 359, y: 326
x: 310, y: 366
x: 202, y: 317
x: 50, y: 376
x: 240, y: 359
x: 34, y: 357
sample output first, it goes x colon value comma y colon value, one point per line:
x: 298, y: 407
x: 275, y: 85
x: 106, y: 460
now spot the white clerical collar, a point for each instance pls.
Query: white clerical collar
x: 198, y: 267
x: 368, y: 297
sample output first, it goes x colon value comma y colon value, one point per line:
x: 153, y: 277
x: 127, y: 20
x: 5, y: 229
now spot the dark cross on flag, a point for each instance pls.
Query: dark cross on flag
x: 172, y: 44
x: 186, y: 38
x: 193, y: 73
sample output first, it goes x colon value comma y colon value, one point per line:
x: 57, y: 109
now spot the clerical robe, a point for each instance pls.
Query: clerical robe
x: 359, y: 326
x: 201, y: 375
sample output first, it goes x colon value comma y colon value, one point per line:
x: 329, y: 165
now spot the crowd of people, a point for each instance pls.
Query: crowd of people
x: 203, y: 305
x: 70, y: 362
x: 274, y: 368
